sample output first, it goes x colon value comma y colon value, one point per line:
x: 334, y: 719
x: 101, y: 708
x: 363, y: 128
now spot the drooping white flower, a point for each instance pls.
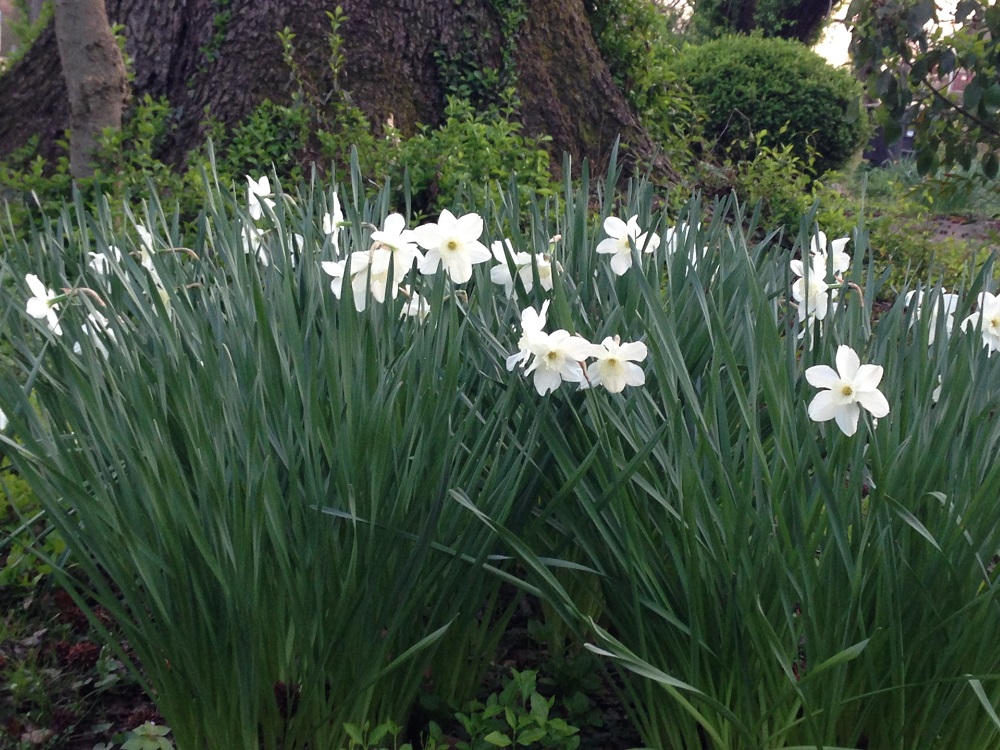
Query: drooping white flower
x: 400, y: 242
x: 258, y: 195
x: 946, y: 303
x: 99, y: 263
x: 369, y: 271
x: 622, y: 237
x: 557, y: 357
x: 532, y: 323
x: 96, y: 329
x: 524, y: 264
x: 43, y: 304
x: 506, y: 256
x: 3, y: 420
x: 823, y: 251
x: 146, y: 251
x: 453, y: 244
x: 615, y: 365
x: 813, y: 297
x: 988, y: 315
x: 415, y: 307
x: 333, y: 221
x: 816, y: 267
x: 253, y: 242
x: 848, y: 388
x: 145, y: 237
x: 394, y: 234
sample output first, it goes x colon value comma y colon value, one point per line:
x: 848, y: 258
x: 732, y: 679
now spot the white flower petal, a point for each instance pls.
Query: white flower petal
x: 847, y: 418
x: 847, y: 362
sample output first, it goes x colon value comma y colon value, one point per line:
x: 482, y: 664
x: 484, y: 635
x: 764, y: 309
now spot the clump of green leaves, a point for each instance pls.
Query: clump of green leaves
x: 466, y: 73
x: 471, y: 155
x: 28, y: 545
x: 148, y: 736
x: 774, y: 176
x: 518, y: 716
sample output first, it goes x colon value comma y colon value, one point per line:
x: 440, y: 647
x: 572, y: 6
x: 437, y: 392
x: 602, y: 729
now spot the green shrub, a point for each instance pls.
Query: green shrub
x: 747, y: 84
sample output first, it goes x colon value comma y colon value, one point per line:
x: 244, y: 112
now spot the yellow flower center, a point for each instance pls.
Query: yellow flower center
x: 452, y: 245
x: 847, y: 390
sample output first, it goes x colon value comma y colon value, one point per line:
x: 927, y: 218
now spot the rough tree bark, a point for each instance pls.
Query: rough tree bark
x: 95, y: 76
x: 198, y: 58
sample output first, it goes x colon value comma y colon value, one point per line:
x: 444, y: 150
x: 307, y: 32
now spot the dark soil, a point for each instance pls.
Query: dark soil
x: 61, y: 689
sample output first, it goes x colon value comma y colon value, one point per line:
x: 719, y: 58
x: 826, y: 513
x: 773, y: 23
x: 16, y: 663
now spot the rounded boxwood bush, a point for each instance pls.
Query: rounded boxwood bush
x: 747, y: 84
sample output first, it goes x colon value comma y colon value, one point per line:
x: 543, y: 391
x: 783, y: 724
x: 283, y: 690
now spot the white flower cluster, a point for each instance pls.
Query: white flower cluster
x: 812, y: 289
x: 452, y: 244
x: 560, y: 356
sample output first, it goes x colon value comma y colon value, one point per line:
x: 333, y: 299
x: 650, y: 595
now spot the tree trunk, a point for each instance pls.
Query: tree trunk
x: 95, y: 77
x: 201, y: 57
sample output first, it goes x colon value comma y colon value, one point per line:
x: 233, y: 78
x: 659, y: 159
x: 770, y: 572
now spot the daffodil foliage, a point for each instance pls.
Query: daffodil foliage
x: 297, y: 453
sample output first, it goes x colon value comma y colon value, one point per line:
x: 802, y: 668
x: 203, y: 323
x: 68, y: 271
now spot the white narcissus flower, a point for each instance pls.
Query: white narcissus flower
x: 622, y: 236
x: 988, y: 315
x: 557, y: 358
x: 817, y: 267
x: 369, y: 272
x: 615, y: 365
x: 333, y: 221
x: 99, y: 261
x: 505, y: 256
x: 145, y: 237
x: 453, y: 244
x: 43, y: 303
x: 3, y: 420
x: 95, y: 328
x: 822, y: 256
x: 400, y: 242
x: 258, y: 193
x: 848, y: 388
x: 813, y: 297
x: 415, y: 307
x: 947, y: 303
x: 253, y: 242
x: 532, y: 324
x: 146, y: 258
x: 524, y: 264
x: 395, y: 235
x: 392, y: 246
